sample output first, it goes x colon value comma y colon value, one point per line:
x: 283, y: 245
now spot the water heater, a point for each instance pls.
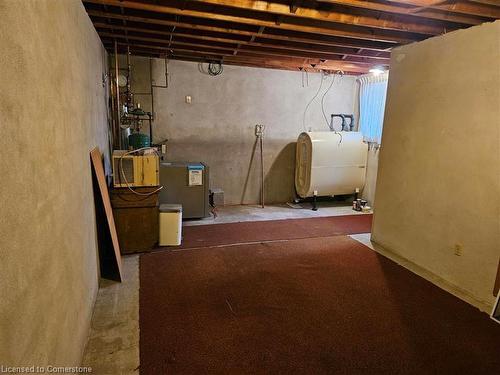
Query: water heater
x: 330, y: 163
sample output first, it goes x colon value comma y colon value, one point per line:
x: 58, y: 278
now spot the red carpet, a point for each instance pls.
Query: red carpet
x: 254, y: 231
x: 307, y: 306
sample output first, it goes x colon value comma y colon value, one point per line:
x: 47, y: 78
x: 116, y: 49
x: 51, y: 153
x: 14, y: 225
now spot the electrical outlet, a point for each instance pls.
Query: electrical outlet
x: 189, y: 100
x: 458, y: 249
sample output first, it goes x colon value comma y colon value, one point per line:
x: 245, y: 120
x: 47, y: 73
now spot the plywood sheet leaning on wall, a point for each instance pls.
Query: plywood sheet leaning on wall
x: 109, y: 248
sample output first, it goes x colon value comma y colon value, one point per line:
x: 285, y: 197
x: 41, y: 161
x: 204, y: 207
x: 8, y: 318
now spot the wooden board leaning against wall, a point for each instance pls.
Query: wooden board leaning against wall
x: 115, y: 271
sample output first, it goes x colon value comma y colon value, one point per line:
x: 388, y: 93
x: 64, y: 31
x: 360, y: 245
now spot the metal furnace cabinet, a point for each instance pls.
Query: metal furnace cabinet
x: 186, y: 183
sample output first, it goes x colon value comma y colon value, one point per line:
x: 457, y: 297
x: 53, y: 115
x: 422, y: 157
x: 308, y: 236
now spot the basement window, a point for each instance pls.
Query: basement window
x: 372, y: 97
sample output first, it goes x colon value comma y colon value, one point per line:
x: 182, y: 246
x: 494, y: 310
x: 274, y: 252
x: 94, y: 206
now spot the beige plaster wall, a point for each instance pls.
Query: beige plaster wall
x: 52, y: 113
x: 438, y: 188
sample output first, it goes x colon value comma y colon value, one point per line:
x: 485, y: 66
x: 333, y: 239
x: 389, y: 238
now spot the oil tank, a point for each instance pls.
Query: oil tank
x: 330, y: 163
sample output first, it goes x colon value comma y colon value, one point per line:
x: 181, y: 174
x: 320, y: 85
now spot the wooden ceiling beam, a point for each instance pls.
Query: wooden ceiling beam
x: 215, y: 55
x: 266, y: 65
x: 263, y: 32
x: 306, y: 35
x: 384, y: 21
x: 457, y: 6
x: 299, y: 63
x: 322, y: 56
x: 225, y: 39
x: 290, y: 64
x: 246, y: 49
x: 407, y: 11
x: 138, y: 51
x: 164, y: 43
x: 336, y: 29
x: 495, y: 3
x: 382, y: 56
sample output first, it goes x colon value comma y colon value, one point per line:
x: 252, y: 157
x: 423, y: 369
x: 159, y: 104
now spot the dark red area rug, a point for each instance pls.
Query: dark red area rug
x: 269, y: 230
x: 305, y: 306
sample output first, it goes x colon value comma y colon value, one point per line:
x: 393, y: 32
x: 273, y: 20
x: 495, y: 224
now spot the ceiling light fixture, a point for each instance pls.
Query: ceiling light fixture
x: 376, y: 70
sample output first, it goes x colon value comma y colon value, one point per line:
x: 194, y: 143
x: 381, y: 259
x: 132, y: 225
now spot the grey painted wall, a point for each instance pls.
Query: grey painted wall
x: 52, y: 113
x: 438, y: 185
x: 218, y: 127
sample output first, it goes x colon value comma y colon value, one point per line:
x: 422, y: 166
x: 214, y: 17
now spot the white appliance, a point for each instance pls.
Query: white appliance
x: 170, y: 225
x: 330, y: 163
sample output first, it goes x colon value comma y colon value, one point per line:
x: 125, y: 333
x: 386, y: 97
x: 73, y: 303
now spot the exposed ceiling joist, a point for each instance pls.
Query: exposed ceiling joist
x: 349, y: 35
x: 486, y: 2
x: 404, y: 9
x: 467, y: 7
x: 312, y: 65
x: 335, y: 29
x: 383, y: 21
x: 302, y: 47
x: 263, y: 32
x: 251, y: 50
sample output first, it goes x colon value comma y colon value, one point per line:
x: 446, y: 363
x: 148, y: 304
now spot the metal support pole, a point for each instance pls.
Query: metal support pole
x: 259, y: 133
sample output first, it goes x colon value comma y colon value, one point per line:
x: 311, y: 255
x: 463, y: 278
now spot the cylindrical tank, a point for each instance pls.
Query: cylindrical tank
x: 330, y: 163
x: 138, y: 140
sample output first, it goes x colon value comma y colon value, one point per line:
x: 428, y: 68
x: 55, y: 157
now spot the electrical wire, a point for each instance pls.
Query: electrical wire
x: 310, y: 102
x: 341, y: 74
x: 125, y: 178
x: 323, y: 101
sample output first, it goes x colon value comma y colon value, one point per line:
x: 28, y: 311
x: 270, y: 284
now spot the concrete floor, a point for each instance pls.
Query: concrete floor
x: 113, y: 346
x: 233, y: 214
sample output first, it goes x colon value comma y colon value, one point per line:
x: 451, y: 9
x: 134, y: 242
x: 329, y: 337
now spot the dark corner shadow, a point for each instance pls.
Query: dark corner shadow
x: 279, y: 183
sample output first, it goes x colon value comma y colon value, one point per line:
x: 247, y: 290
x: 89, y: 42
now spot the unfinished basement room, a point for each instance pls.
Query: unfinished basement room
x: 250, y: 187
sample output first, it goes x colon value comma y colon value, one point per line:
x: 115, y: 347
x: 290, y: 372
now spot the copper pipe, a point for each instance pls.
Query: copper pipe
x: 117, y: 93
x: 112, y: 110
x: 262, y: 170
x: 129, y: 89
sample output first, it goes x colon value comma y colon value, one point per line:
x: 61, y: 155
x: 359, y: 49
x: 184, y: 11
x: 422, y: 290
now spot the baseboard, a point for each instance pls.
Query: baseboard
x: 449, y: 287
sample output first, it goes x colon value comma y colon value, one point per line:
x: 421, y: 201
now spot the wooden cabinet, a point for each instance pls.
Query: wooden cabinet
x: 136, y: 219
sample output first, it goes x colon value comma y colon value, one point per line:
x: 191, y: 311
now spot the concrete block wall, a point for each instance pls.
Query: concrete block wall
x: 218, y: 126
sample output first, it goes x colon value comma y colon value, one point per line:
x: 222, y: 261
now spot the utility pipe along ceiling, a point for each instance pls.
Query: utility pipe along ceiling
x: 349, y: 35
